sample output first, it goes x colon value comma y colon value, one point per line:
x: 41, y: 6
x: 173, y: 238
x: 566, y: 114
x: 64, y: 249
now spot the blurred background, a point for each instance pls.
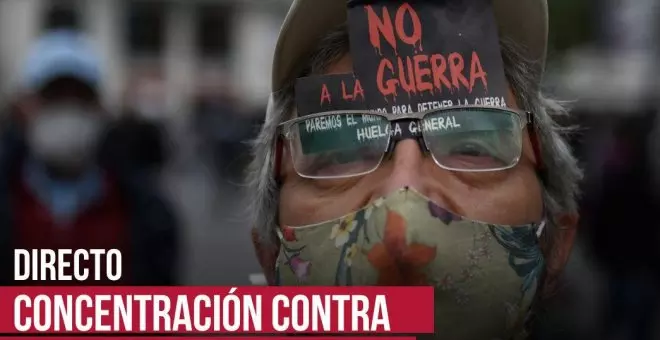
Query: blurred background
x: 196, y: 73
x: 196, y: 69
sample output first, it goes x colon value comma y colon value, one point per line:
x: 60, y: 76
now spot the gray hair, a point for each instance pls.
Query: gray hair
x: 560, y: 179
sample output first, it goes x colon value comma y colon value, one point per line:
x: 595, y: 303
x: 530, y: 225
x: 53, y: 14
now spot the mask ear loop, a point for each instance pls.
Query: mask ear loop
x: 540, y: 229
x: 540, y: 165
x: 542, y: 174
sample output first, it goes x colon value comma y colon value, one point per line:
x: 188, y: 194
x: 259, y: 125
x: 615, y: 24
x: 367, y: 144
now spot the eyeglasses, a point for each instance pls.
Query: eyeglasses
x: 342, y: 144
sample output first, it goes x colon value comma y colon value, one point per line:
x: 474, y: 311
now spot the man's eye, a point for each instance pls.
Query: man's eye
x: 472, y: 154
x: 327, y: 164
x: 342, y: 163
x: 325, y: 161
x: 470, y: 149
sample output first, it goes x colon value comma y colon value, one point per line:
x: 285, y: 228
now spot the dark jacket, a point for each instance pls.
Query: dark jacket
x: 141, y: 142
x: 153, y: 226
x: 620, y: 203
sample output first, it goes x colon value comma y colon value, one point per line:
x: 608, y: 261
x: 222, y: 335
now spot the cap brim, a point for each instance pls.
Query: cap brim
x: 523, y: 21
x: 48, y: 79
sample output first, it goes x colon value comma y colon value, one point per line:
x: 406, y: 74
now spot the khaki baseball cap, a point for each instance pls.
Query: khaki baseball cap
x: 524, y: 21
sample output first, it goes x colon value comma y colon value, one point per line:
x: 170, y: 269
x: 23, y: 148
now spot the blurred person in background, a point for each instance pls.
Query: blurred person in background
x: 224, y: 127
x: 58, y: 191
x: 139, y: 142
x: 618, y: 227
x: 619, y: 206
x: 138, y: 137
x: 401, y: 218
x: 214, y: 120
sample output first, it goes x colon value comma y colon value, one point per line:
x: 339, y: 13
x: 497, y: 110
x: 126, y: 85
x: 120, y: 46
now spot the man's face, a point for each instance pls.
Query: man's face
x: 64, y: 122
x: 508, y: 197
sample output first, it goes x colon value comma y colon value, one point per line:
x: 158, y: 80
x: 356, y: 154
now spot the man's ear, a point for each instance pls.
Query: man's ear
x: 267, y: 253
x: 559, y: 249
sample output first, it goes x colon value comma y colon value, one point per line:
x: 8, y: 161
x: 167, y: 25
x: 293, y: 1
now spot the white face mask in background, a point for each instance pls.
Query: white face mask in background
x: 65, y: 136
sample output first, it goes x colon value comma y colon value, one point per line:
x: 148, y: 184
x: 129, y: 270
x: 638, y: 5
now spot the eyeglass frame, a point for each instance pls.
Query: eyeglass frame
x: 526, y: 120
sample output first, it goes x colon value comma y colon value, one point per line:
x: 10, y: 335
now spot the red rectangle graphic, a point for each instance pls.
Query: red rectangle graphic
x: 216, y: 310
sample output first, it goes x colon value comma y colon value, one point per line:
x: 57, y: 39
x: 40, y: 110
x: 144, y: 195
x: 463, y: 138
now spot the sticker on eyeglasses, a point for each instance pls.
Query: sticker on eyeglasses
x: 355, y: 131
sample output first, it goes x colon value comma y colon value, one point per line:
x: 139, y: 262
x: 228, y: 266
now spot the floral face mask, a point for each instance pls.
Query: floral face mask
x: 485, y: 275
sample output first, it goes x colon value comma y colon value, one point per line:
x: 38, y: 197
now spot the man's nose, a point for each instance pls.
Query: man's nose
x: 406, y: 166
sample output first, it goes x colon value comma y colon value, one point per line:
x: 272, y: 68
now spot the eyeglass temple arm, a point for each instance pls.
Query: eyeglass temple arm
x: 277, y: 161
x: 535, y: 140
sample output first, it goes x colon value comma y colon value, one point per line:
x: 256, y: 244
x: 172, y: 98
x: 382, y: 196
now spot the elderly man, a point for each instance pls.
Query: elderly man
x: 409, y: 144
